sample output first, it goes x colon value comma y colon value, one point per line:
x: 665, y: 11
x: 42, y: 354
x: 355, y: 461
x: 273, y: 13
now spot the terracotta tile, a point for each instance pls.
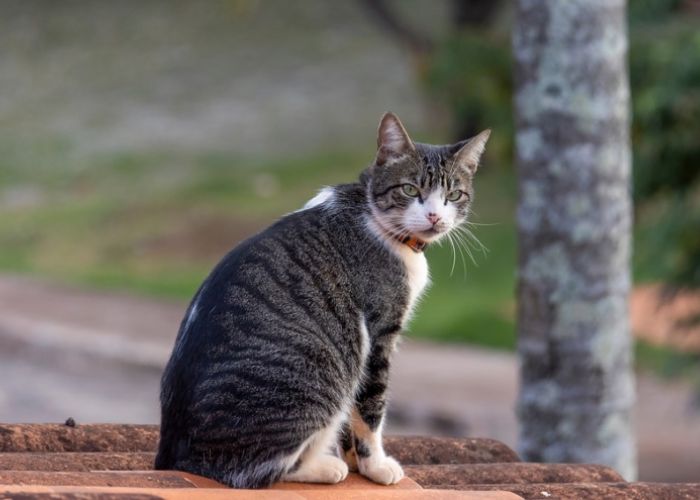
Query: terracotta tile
x: 513, y: 473
x: 135, y: 479
x: 406, y: 495
x: 114, y: 493
x: 88, y: 437
x: 352, y: 482
x: 117, y: 438
x: 103, y: 493
x: 423, y: 450
x: 76, y: 461
x: 594, y: 491
x: 99, y: 462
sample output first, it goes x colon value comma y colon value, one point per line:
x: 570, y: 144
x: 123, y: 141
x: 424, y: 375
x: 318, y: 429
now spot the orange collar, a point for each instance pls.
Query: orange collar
x: 414, y: 243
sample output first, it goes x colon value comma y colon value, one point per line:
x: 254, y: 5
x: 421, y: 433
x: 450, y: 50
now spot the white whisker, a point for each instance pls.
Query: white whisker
x: 454, y: 253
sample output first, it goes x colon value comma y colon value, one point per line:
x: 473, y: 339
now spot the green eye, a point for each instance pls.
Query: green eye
x: 454, y: 195
x: 410, y: 190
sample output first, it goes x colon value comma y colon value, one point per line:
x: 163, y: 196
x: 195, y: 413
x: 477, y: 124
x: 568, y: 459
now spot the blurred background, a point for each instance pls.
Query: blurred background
x: 139, y: 141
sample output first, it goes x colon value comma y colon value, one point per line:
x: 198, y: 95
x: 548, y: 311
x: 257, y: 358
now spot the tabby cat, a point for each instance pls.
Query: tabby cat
x: 284, y: 352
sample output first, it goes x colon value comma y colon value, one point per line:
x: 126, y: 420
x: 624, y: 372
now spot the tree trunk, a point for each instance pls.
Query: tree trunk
x: 574, y: 219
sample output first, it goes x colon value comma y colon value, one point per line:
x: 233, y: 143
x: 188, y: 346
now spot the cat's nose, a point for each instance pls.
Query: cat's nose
x: 433, y: 218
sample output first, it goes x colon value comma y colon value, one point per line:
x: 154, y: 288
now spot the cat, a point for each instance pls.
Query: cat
x: 284, y: 351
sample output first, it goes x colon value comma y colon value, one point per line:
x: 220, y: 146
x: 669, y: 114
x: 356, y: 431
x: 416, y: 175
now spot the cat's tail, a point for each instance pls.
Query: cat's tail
x: 256, y: 475
x: 173, y: 421
x: 166, y: 455
x: 230, y: 473
x: 228, y: 467
x: 172, y: 444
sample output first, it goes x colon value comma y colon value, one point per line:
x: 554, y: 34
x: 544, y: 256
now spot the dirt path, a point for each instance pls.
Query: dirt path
x: 97, y: 357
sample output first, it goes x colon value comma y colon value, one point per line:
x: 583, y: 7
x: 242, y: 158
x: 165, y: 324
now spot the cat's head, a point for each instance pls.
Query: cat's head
x: 419, y: 190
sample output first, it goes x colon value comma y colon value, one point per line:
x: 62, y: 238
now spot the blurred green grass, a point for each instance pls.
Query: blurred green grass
x: 156, y: 223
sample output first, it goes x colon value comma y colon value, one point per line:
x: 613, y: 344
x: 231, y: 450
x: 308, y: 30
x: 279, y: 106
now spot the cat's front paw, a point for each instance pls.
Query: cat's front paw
x: 332, y: 470
x: 322, y: 469
x: 382, y: 470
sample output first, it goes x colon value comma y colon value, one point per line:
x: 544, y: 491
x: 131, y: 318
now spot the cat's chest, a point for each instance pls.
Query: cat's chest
x: 417, y: 278
x: 399, y: 277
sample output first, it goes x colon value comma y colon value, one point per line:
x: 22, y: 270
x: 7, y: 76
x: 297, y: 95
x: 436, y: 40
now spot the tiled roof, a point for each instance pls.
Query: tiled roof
x: 106, y: 461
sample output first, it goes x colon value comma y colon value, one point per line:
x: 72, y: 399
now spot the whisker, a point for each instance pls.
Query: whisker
x: 461, y: 256
x: 470, y: 223
x: 467, y: 249
x: 454, y: 253
x: 464, y: 231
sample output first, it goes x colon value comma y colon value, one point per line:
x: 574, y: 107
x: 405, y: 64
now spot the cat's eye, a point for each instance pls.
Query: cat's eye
x: 454, y: 195
x: 410, y: 190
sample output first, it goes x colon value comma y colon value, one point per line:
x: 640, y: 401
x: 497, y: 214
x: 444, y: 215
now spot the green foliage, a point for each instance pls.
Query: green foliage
x: 665, y: 80
x: 648, y: 11
x: 665, y: 77
x: 470, y: 74
x: 665, y: 84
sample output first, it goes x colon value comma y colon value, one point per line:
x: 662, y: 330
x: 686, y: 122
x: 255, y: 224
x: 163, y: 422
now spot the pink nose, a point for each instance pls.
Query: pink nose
x: 433, y: 218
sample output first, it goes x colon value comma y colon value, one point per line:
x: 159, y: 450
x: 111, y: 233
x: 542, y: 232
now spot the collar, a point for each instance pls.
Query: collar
x: 414, y: 243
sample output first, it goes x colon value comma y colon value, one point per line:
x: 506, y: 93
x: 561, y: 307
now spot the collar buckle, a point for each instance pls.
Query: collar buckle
x: 415, y: 244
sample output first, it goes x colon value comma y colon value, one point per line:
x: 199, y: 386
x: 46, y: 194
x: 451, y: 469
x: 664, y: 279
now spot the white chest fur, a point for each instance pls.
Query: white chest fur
x: 417, y: 276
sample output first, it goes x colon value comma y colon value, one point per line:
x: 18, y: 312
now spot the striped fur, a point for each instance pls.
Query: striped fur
x: 285, y: 348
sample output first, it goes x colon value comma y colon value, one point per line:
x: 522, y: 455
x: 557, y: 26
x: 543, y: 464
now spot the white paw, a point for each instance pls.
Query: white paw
x: 384, y: 470
x: 350, y: 458
x: 332, y: 470
x: 323, y: 469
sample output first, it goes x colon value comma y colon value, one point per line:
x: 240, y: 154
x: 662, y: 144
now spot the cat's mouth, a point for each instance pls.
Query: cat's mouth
x: 432, y: 233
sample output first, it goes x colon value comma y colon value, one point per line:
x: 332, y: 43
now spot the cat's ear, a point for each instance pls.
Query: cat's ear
x: 469, y: 154
x: 392, y: 139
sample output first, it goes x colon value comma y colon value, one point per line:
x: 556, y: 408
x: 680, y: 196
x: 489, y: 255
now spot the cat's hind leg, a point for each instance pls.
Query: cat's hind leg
x: 317, y: 461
